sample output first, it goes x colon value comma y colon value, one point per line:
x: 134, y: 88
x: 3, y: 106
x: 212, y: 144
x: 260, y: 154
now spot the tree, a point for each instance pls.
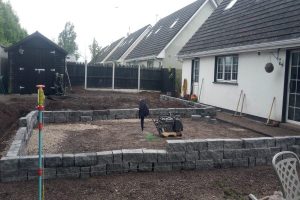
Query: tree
x: 10, y: 28
x: 95, y: 50
x: 66, y: 40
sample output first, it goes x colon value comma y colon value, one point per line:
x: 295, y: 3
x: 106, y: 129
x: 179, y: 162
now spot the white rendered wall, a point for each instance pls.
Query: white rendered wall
x: 259, y: 86
x: 186, y: 74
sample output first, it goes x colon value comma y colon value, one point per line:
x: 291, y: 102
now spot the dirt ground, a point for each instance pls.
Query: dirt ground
x: 200, y: 185
x: 15, y: 106
x: 125, y: 134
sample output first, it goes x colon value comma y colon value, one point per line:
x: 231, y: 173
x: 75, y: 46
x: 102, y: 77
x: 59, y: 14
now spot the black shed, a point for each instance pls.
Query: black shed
x: 32, y: 61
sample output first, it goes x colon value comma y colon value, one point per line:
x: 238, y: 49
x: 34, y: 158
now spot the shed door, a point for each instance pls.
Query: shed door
x: 294, y: 88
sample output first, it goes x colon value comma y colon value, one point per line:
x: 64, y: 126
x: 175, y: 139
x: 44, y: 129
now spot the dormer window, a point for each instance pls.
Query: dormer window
x: 174, y: 23
x: 158, y: 30
x: 231, y: 4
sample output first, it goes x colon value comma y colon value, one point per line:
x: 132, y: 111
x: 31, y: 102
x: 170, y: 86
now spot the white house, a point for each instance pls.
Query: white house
x: 164, y: 41
x: 108, y: 50
x: 229, y: 53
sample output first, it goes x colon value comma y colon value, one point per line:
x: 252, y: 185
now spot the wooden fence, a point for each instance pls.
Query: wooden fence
x: 125, y: 77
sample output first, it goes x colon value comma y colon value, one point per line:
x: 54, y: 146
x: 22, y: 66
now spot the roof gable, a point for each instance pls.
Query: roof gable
x: 107, y: 50
x: 123, y: 47
x: 162, y: 32
x: 246, y: 22
x: 32, y: 37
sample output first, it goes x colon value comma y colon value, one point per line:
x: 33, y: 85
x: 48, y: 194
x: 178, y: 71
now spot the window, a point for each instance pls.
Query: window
x: 227, y: 68
x: 174, y: 23
x: 196, y: 71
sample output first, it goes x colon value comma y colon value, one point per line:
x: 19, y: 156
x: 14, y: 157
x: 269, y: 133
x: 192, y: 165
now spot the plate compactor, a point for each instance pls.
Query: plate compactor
x: 169, y: 125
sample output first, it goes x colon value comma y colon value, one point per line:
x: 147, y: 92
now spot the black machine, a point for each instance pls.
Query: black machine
x: 169, y: 125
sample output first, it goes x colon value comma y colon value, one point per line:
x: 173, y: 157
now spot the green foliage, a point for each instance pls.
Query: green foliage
x: 95, y: 50
x: 10, y: 28
x: 66, y: 39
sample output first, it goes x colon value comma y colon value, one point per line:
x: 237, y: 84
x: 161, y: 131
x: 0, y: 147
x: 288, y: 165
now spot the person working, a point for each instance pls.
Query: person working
x: 143, y: 112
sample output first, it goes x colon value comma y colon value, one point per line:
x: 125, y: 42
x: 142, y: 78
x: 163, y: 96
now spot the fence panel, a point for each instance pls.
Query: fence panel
x: 76, y: 73
x: 126, y: 77
x: 151, y: 79
x: 99, y: 76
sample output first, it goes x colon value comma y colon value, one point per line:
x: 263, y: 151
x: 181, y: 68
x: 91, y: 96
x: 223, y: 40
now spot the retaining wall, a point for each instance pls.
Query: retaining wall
x: 180, y: 155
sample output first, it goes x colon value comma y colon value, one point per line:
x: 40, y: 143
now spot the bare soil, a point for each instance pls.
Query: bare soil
x: 12, y: 107
x: 200, y: 185
x: 125, y: 134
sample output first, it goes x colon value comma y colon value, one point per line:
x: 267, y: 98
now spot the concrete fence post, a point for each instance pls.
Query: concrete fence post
x: 85, y: 74
x: 139, y: 78
x: 113, y: 76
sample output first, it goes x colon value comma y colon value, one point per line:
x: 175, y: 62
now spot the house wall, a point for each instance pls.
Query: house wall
x: 170, y: 59
x: 259, y: 86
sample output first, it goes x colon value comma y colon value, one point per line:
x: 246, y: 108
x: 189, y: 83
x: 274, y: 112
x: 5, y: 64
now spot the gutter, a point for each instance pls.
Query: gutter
x: 247, y: 48
x: 141, y: 58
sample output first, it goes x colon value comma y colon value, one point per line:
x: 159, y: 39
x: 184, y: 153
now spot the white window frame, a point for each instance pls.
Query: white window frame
x: 222, y: 79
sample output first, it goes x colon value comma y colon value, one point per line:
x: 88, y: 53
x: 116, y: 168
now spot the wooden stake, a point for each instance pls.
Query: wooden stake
x: 200, y: 92
x: 237, y: 108
x: 241, y: 113
x: 269, y: 117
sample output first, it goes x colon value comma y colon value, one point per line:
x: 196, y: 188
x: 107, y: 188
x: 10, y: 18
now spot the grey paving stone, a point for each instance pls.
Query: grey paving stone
x: 60, y: 116
x: 48, y: 117
x: 233, y: 153
x: 85, y: 172
x: 28, y: 162
x: 85, y: 159
x: 233, y: 144
x: 74, y: 116
x: 262, y: 142
x: 284, y: 142
x: 248, y: 153
x: 192, y: 156
x: 189, y: 165
x: 204, y: 164
x: 53, y: 160
x: 132, y: 155
x: 48, y: 173
x: 211, y: 155
x: 162, y: 167
x: 161, y: 156
x: 114, y: 168
x: 176, y: 157
x: 226, y: 163
x: 215, y: 144
x: 145, y: 167
x: 86, y: 113
x: 196, y: 145
x: 149, y: 155
x: 68, y: 172
x: 240, y: 162
x: 117, y: 156
x: 274, y: 150
x: 251, y: 161
x: 98, y: 170
x: 295, y: 149
x: 177, y: 166
x: 100, y: 114
x: 262, y: 152
x: 133, y: 167
x: 176, y: 145
x: 13, y: 175
x: 260, y: 161
x: 68, y: 160
x: 86, y: 118
x: 104, y: 157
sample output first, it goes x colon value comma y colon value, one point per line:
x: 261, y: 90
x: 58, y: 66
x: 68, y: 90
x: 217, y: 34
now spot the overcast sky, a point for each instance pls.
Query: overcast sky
x: 106, y: 20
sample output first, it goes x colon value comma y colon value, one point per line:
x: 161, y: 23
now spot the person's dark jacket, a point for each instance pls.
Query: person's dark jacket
x: 143, y: 109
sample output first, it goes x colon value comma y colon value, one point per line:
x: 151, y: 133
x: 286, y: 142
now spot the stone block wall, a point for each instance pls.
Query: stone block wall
x: 196, y: 154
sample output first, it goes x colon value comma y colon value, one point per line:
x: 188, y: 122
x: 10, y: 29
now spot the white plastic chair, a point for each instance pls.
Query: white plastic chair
x: 285, y: 164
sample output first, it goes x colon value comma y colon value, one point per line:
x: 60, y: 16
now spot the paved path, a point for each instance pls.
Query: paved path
x: 256, y: 126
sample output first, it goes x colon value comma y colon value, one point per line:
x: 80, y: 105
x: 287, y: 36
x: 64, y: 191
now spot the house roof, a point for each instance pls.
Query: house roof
x: 30, y: 37
x: 122, y: 48
x: 162, y: 33
x: 107, y: 50
x: 247, y: 22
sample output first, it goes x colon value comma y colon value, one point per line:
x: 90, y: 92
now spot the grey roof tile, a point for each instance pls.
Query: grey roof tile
x: 106, y: 50
x: 122, y: 48
x: 157, y: 41
x: 247, y: 22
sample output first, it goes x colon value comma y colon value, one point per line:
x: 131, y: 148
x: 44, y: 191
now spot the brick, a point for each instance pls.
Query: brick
x: 162, y: 167
x: 211, y: 155
x: 176, y: 157
x: 86, y: 118
x: 117, y: 156
x: 240, y: 162
x: 262, y: 152
x: 233, y: 144
x: 9, y: 175
x: 145, y: 167
x: 104, y: 157
x: 248, y: 153
x: 215, y: 144
x: 149, y: 155
x: 189, y: 165
x: 98, y: 170
x: 53, y: 160
x: 85, y: 172
x: 284, y: 142
x: 114, y: 168
x: 68, y: 172
x: 204, y: 164
x: 132, y: 155
x: 177, y: 166
x: 133, y: 167
x: 176, y: 145
x: 100, y: 114
x: 48, y: 117
x: 251, y: 161
x: 196, y: 145
x: 74, y: 116
x: 161, y: 156
x: 233, y: 153
x: 262, y: 142
x: 274, y: 150
x: 29, y: 162
x: 48, y: 173
x: 60, y: 116
x: 85, y: 159
x: 192, y: 156
x: 68, y: 160
x: 260, y: 161
x: 226, y: 163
